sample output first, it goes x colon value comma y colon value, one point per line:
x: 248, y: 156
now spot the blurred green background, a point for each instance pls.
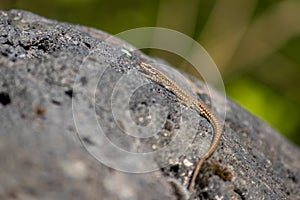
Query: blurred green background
x: 255, y: 43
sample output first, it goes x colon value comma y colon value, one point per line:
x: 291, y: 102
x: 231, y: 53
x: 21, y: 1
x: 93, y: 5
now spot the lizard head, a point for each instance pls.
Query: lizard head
x: 148, y: 69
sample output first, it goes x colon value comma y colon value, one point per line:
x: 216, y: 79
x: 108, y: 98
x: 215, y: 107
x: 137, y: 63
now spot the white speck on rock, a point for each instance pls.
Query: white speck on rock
x: 75, y: 169
x: 126, y: 52
x: 187, y: 163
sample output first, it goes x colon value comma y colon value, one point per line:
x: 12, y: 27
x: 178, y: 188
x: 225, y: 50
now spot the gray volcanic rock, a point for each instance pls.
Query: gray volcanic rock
x: 75, y: 114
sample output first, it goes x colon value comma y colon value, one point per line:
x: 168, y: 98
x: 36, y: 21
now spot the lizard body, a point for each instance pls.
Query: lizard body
x: 191, y: 102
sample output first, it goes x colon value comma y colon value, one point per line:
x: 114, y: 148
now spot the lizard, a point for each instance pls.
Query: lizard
x: 157, y: 76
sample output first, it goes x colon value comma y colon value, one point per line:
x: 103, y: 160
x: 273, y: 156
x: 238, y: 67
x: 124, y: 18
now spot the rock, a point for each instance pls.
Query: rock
x: 73, y: 106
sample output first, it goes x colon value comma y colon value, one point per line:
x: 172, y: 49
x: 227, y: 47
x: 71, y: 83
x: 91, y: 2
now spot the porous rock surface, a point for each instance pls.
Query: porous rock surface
x: 63, y: 104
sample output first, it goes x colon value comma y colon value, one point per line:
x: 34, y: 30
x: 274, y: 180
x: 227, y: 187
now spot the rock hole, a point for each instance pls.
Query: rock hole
x: 168, y: 126
x: 174, y: 168
x: 205, y: 195
x: 4, y: 98
x: 88, y: 141
x: 69, y: 93
x: 87, y: 45
x: 240, y: 192
x: 83, y: 80
x: 56, y: 102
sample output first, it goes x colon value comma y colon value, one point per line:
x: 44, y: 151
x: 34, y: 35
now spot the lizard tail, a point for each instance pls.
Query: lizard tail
x: 195, y: 173
x: 217, y: 136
